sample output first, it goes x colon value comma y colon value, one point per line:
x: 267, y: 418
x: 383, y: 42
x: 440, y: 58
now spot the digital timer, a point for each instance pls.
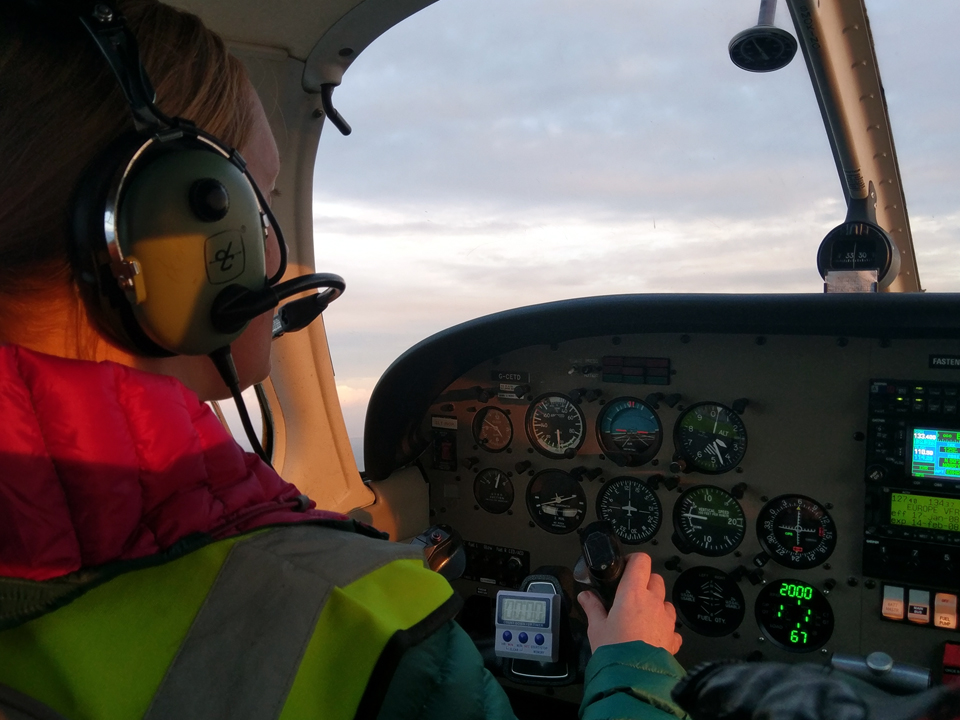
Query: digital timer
x: 526, y: 625
x: 794, y: 615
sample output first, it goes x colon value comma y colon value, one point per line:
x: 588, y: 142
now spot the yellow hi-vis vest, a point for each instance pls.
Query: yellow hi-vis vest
x: 302, y: 621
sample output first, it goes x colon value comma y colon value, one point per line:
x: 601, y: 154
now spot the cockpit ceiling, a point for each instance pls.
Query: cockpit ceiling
x: 291, y: 25
x: 327, y: 35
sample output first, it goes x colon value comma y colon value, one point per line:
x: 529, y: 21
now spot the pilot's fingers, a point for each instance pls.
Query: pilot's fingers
x: 657, y: 586
x: 677, y: 642
x: 671, y: 612
x: 636, y: 574
x: 592, y: 607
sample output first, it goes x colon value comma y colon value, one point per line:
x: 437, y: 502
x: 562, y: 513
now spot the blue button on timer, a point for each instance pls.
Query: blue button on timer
x: 507, y: 636
x: 538, y: 639
x: 522, y: 637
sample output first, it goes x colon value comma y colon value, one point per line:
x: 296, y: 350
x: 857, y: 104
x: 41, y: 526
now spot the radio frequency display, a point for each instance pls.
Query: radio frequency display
x: 936, y: 453
x: 923, y: 511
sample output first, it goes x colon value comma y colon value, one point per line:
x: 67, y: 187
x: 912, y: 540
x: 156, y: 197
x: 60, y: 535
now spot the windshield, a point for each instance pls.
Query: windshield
x: 511, y: 152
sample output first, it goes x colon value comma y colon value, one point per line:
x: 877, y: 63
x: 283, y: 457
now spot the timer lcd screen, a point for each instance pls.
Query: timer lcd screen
x: 935, y: 454
x: 924, y: 511
x: 523, y: 612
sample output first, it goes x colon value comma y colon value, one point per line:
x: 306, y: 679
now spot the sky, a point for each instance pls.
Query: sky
x: 511, y: 152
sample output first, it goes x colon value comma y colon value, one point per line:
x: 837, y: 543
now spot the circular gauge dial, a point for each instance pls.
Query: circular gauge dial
x: 556, y: 501
x: 492, y: 429
x: 711, y: 438
x: 708, y: 601
x: 796, y: 531
x: 631, y: 507
x: 493, y: 490
x: 794, y: 615
x: 555, y: 426
x: 629, y: 431
x: 708, y: 520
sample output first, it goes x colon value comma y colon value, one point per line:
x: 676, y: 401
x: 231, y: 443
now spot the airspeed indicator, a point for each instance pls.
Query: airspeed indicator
x: 555, y: 426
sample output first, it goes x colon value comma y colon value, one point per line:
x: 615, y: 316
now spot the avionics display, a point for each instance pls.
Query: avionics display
x: 935, y: 453
x: 924, y: 511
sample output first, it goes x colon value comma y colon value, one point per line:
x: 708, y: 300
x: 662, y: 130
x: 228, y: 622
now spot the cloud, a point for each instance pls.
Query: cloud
x: 510, y: 152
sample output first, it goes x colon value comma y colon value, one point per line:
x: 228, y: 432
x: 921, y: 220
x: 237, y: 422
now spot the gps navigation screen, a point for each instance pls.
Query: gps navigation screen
x: 923, y: 511
x: 936, y: 453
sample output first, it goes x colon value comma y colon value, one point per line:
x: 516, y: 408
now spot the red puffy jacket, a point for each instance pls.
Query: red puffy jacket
x: 101, y: 462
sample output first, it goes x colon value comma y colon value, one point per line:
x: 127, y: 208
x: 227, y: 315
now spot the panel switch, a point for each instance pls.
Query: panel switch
x: 945, y: 611
x: 893, y: 602
x: 918, y: 610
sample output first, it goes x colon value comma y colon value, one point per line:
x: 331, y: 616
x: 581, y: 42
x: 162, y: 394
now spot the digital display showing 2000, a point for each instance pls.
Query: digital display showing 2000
x: 925, y: 511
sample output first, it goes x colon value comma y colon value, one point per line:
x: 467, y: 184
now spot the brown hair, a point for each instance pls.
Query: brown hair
x: 60, y: 106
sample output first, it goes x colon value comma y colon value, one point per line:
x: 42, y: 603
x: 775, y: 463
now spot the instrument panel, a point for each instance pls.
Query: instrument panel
x: 744, y: 463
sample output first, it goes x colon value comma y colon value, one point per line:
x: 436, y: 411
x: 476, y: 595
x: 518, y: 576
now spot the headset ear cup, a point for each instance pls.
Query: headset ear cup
x: 106, y: 303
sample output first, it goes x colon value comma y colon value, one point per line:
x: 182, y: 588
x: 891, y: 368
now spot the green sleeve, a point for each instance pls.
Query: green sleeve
x: 443, y: 677
x: 631, y: 680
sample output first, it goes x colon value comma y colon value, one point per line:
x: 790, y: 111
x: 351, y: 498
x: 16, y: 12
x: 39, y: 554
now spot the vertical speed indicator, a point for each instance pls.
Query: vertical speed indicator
x: 708, y: 520
x: 555, y: 426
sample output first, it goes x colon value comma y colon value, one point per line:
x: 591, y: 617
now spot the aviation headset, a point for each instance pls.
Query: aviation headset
x: 169, y: 229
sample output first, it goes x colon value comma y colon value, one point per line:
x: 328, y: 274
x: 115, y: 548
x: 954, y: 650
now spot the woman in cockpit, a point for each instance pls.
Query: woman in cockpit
x: 148, y: 566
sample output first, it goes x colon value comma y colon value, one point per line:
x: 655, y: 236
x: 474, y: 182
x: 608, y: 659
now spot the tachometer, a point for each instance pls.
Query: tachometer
x: 631, y: 507
x: 629, y: 431
x: 556, y: 501
x: 794, y: 615
x: 493, y: 490
x: 555, y: 426
x: 708, y: 520
x: 796, y: 531
x: 492, y: 429
x: 710, y: 437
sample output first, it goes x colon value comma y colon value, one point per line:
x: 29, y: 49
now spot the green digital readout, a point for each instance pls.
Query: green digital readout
x: 794, y: 615
x: 804, y: 592
x: 925, y: 511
